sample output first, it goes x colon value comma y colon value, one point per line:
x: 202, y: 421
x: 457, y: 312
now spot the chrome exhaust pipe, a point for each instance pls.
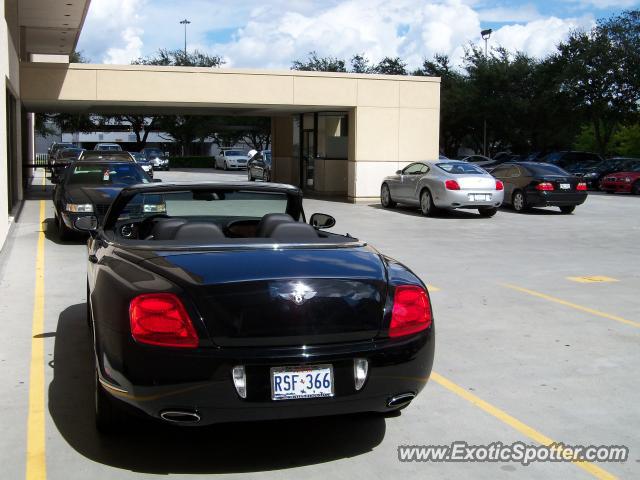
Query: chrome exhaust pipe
x: 401, y: 400
x: 180, y: 416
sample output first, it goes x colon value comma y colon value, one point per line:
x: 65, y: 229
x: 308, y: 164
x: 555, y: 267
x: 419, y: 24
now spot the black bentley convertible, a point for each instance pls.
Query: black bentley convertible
x: 228, y: 306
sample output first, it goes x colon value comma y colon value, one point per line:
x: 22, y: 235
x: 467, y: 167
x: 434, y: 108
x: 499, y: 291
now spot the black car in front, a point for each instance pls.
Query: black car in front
x: 533, y: 184
x: 87, y: 188
x: 229, y: 307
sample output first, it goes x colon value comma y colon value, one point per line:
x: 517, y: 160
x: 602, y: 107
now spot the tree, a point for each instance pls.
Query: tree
x: 319, y: 64
x: 360, y: 64
x: 391, y: 66
x: 455, y: 123
x: 178, y: 58
x: 600, y: 74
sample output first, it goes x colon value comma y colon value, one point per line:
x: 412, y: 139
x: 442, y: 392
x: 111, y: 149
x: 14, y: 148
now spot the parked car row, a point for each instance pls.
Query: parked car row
x: 454, y: 184
x: 589, y: 166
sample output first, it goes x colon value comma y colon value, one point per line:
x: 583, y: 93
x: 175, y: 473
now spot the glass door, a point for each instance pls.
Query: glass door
x: 308, y: 159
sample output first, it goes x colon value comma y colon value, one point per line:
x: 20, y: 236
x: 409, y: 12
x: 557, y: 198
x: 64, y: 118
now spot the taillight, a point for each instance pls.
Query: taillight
x: 544, y: 187
x: 451, y: 185
x: 499, y: 185
x: 581, y: 186
x: 161, y: 319
x: 411, y: 311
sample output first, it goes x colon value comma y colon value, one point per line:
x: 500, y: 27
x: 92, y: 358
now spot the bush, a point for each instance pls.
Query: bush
x: 191, y: 162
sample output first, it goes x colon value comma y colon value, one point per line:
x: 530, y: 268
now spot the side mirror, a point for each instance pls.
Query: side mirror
x: 87, y: 223
x: 398, y: 172
x: 156, y: 180
x: 322, y: 220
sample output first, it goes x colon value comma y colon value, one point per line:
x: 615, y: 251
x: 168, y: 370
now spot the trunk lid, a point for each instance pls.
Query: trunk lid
x: 562, y: 183
x: 282, y: 297
x: 476, y: 182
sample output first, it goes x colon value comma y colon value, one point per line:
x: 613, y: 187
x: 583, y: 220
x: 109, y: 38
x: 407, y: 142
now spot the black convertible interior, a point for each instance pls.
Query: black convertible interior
x: 271, y: 228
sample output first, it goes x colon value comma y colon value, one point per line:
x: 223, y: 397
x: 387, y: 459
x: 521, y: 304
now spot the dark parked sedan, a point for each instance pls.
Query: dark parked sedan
x: 229, y: 307
x: 88, y: 188
x: 62, y: 159
x: 532, y: 184
x: 260, y: 166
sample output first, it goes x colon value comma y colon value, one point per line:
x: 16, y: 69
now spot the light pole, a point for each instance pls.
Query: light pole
x: 485, y: 34
x: 185, y: 22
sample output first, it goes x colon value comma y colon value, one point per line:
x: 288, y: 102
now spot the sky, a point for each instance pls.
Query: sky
x: 271, y: 34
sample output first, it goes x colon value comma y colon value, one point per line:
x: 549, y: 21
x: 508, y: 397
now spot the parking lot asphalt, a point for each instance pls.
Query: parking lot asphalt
x: 523, y: 353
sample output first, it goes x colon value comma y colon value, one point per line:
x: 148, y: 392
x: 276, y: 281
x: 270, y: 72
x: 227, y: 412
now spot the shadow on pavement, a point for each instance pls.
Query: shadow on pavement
x: 51, y: 234
x: 152, y: 447
x: 443, y: 214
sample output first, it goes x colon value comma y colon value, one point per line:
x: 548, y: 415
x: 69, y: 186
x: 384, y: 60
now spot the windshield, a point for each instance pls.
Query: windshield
x: 106, y: 175
x: 154, y: 152
x: 235, y: 153
x: 459, y: 168
x: 109, y: 147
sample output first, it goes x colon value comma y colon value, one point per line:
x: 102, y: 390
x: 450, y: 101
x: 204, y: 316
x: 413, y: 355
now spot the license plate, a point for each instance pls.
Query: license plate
x: 479, y: 197
x: 565, y: 186
x: 289, y: 383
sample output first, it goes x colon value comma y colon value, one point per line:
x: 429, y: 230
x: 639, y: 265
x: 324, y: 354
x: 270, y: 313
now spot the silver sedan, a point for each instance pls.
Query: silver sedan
x: 443, y: 184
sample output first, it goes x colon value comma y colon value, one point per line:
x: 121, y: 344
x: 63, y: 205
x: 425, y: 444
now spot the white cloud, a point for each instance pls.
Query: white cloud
x: 273, y: 34
x: 540, y: 37
x: 113, y: 31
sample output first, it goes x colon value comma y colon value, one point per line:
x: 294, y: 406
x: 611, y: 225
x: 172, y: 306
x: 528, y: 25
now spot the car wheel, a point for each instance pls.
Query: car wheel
x: 426, y: 203
x: 266, y: 176
x: 225, y: 167
x: 519, y: 201
x: 63, y: 232
x: 487, y: 211
x: 567, y: 209
x: 249, y: 177
x: 385, y: 197
x: 635, y: 188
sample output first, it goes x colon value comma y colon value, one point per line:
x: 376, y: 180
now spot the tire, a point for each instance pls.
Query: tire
x: 567, y: 209
x: 225, y: 167
x: 249, y: 177
x: 635, y: 188
x: 266, y: 176
x: 487, y: 211
x: 385, y: 197
x: 519, y: 201
x: 427, y: 207
x: 63, y: 232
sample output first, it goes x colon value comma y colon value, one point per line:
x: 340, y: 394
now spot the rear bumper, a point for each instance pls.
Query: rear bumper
x: 615, y: 186
x: 555, y: 199
x: 151, y: 383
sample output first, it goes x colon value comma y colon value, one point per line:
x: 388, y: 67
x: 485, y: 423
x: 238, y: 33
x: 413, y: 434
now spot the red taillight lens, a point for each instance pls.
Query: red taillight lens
x: 451, y: 185
x: 161, y: 319
x: 411, y: 311
x: 544, y: 187
x: 581, y: 186
x: 499, y: 185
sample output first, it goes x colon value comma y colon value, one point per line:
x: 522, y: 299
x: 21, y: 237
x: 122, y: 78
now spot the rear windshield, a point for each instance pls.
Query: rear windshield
x: 109, y: 147
x: 105, y: 155
x: 546, y: 169
x: 106, y: 175
x: 460, y: 168
x: 235, y: 153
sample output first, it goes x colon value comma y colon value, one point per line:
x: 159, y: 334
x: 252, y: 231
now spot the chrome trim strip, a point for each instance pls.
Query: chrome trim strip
x: 106, y: 384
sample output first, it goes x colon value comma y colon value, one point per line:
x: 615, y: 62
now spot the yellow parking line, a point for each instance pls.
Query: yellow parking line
x: 573, y: 305
x: 36, y: 463
x: 432, y: 288
x: 592, y: 279
x: 513, y: 422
